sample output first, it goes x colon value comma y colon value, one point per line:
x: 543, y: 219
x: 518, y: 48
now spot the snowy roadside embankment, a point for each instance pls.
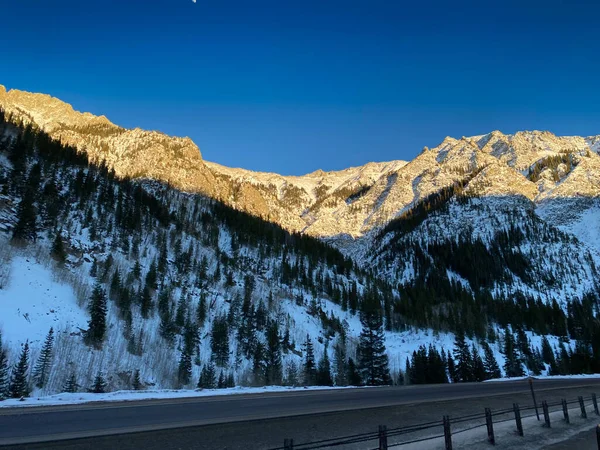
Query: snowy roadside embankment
x: 156, y: 394
x: 548, y: 377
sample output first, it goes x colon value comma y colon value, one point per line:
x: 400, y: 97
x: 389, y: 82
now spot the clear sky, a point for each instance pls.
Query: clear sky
x: 292, y: 86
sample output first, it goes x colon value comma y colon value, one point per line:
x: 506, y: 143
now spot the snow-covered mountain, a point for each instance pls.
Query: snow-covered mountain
x: 478, y: 234
x: 342, y: 204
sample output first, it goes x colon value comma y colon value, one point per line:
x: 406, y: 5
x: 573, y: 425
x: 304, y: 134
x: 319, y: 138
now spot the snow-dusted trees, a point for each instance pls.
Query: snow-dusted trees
x: 97, y: 323
x: 41, y: 371
x: 372, y: 357
x: 71, y: 385
x: 19, y: 387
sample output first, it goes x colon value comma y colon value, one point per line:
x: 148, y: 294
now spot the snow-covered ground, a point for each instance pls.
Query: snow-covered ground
x: 549, y: 377
x: 33, y: 301
x: 156, y: 394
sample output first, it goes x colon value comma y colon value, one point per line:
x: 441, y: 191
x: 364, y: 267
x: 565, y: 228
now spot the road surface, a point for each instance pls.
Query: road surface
x: 44, y: 424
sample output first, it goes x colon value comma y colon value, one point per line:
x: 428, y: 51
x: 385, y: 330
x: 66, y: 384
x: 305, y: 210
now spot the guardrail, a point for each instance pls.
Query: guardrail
x: 489, y: 418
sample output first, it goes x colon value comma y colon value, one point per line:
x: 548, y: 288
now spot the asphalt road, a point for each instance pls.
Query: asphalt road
x: 43, y: 424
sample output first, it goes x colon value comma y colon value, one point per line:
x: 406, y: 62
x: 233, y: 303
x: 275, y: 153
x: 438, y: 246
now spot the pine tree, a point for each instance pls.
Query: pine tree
x: 324, y: 370
x: 221, y: 383
x: 58, y: 249
x: 291, y: 377
x: 71, y: 385
x: 26, y: 226
x: 479, y: 372
x: 146, y: 302
x: 463, y: 359
x: 207, y: 377
x: 44, y: 362
x: 18, y: 382
x: 184, y: 372
x: 353, y: 374
x: 512, y: 364
x: 219, y: 341
x: 492, y: 370
x: 97, y: 323
x: 340, y: 362
x: 99, y: 386
x: 274, y: 367
x: 452, y: 369
x: 3, y: 371
x: 136, y: 384
x: 547, y: 352
x: 309, y: 369
x: 372, y: 357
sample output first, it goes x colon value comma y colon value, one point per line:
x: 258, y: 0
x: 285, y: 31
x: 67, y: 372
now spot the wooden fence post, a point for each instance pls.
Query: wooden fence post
x: 447, y: 433
x: 288, y: 444
x: 490, y: 426
x: 518, y: 419
x: 546, y: 414
x: 595, y: 402
x: 582, y: 406
x: 598, y: 436
x: 383, y: 445
x: 565, y: 410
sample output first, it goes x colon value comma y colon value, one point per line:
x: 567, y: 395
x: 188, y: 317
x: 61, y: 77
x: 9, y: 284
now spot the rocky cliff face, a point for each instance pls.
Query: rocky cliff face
x: 342, y: 205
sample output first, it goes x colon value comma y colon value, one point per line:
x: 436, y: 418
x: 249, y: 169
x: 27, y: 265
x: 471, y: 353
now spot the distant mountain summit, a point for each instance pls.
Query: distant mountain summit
x: 350, y: 203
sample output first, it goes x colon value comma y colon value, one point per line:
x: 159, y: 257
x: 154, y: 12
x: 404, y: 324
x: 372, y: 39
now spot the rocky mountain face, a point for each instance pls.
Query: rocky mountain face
x: 553, y: 173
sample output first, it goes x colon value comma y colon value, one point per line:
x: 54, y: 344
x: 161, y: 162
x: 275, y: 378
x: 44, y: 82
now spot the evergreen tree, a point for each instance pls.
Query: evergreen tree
x: 512, y: 364
x: 219, y: 341
x: 463, y: 359
x: 309, y: 369
x: 340, y: 362
x: 353, y: 374
x: 58, y: 249
x: 452, y: 368
x: 547, y: 352
x: 324, y: 370
x: 221, y: 384
x: 274, y: 368
x: 492, y: 370
x: 41, y: 371
x: 291, y: 378
x: 372, y: 357
x: 207, y: 377
x: 99, y: 386
x: 3, y: 371
x: 97, y: 323
x: 136, y: 384
x: 184, y: 372
x: 146, y: 302
x: 479, y: 372
x: 18, y: 382
x: 71, y: 385
x: 26, y: 226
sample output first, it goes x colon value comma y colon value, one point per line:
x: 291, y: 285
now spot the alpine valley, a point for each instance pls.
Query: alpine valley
x: 129, y: 262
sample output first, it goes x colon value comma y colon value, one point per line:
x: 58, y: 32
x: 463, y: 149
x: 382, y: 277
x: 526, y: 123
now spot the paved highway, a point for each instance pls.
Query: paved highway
x: 43, y: 424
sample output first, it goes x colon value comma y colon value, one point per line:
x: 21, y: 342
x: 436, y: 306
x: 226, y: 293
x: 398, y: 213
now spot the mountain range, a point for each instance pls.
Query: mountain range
x: 475, y: 235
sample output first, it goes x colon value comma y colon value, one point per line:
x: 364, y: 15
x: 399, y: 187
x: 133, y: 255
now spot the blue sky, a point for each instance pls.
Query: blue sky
x: 294, y: 86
